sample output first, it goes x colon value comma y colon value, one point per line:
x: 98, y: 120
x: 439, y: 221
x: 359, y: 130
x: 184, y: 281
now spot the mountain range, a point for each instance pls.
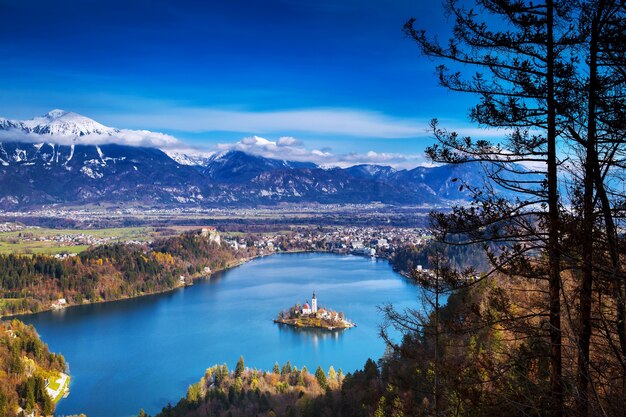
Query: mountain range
x: 67, y: 161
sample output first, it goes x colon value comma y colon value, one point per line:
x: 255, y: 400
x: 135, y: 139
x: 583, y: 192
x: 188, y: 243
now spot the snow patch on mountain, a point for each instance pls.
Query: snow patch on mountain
x: 71, y: 154
x: 91, y: 173
x: 190, y: 157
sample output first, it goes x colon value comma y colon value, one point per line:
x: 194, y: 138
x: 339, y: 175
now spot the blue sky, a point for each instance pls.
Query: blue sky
x: 339, y: 76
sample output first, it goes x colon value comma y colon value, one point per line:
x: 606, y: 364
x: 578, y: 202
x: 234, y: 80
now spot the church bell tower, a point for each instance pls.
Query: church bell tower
x: 314, y: 303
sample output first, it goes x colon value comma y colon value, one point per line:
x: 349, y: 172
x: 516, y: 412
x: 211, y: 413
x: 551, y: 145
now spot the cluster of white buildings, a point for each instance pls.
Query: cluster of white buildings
x: 65, y: 255
x: 365, y: 241
x: 14, y: 227
x: 69, y: 239
x: 59, y: 304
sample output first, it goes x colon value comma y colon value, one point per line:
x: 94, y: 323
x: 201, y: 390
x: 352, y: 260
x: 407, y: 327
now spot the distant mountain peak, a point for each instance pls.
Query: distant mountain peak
x: 58, y: 122
x: 227, y: 154
x: 373, y: 171
x: 64, y: 127
x: 190, y: 158
x: 55, y: 114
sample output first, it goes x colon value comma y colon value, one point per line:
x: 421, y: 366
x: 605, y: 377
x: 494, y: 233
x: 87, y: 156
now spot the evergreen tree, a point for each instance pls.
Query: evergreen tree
x: 320, y: 375
x: 523, y: 72
x: 240, y: 367
x: 286, y: 368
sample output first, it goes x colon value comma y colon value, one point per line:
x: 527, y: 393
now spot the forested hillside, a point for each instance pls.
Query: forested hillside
x: 407, y: 258
x: 25, y: 365
x: 283, y: 391
x: 108, y: 272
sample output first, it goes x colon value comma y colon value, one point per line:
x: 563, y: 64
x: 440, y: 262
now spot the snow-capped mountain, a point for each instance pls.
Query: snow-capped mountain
x: 65, y: 158
x: 60, y: 123
x: 190, y: 158
x: 67, y: 128
x: 33, y: 174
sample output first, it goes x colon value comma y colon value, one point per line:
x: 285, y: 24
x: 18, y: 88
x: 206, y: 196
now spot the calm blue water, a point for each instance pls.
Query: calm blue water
x: 143, y: 353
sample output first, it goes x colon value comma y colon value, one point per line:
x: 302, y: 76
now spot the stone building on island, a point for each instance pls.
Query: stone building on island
x: 312, y: 309
x: 310, y: 315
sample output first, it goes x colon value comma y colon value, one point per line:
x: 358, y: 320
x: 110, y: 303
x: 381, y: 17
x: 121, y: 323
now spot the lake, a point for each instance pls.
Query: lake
x: 145, y: 352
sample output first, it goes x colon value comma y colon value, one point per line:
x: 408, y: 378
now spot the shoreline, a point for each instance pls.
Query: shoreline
x: 64, y: 388
x: 226, y: 268
x: 130, y: 297
x: 323, y: 327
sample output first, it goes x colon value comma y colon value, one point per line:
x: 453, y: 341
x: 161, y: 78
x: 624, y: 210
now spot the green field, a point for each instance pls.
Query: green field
x: 22, y: 241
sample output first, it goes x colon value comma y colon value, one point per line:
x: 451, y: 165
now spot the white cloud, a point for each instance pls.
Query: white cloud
x: 293, y: 150
x: 348, y: 122
x: 287, y: 141
x: 145, y: 138
x: 122, y: 137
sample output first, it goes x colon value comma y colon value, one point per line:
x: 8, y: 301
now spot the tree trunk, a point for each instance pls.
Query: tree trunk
x: 437, y: 393
x: 586, y: 287
x: 554, y: 255
x: 617, y: 276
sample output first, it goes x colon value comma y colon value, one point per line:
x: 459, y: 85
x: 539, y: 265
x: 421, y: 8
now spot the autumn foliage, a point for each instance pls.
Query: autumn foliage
x: 107, y: 272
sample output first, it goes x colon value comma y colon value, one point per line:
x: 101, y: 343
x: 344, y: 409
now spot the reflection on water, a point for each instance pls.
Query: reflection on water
x: 312, y: 335
x: 144, y: 352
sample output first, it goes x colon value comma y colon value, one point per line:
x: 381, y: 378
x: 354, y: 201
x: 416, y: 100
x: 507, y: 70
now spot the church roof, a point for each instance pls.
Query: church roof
x: 306, y: 306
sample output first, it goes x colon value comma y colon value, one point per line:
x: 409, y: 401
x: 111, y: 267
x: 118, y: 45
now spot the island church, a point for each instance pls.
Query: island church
x: 306, y: 309
x: 310, y: 315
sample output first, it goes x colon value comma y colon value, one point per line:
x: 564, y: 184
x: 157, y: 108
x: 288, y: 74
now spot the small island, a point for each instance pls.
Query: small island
x: 312, y: 317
